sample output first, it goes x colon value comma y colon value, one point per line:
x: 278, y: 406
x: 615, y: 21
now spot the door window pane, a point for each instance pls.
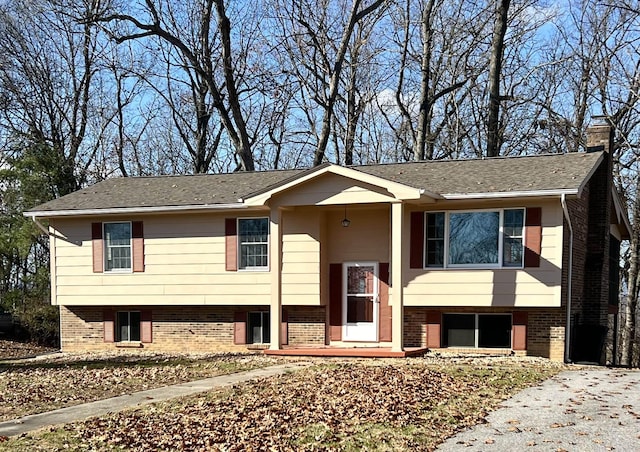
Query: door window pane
x: 359, y: 309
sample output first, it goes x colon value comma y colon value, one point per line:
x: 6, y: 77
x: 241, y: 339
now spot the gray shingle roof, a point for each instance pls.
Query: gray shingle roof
x: 494, y: 175
x: 528, y: 173
x: 159, y: 191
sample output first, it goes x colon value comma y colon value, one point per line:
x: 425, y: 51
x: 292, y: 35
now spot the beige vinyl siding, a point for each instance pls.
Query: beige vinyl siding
x: 184, y: 265
x: 528, y: 287
x: 301, y: 257
x: 331, y: 189
x: 366, y: 238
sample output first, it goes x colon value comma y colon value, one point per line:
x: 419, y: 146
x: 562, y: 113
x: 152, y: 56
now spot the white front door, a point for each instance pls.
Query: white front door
x: 360, y: 301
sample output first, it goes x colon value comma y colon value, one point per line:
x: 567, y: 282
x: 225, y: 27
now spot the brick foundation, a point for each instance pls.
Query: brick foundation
x: 184, y: 329
x: 306, y: 325
x: 545, y: 329
x: 211, y: 329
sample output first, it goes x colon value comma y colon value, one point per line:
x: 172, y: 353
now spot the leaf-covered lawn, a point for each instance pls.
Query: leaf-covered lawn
x: 17, y: 350
x: 375, y: 405
x: 43, y: 385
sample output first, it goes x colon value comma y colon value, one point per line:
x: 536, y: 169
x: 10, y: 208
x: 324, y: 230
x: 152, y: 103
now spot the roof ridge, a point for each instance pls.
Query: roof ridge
x: 474, y: 159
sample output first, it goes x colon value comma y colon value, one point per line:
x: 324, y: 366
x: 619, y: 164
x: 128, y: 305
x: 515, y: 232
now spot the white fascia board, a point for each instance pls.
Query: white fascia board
x: 511, y: 194
x: 130, y: 210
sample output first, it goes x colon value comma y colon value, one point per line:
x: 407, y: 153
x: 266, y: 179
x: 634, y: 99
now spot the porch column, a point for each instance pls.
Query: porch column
x: 397, y: 265
x: 275, y: 265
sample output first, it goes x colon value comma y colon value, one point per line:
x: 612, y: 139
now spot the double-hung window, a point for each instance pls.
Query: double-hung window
x: 117, y: 246
x: 481, y: 238
x: 254, y: 243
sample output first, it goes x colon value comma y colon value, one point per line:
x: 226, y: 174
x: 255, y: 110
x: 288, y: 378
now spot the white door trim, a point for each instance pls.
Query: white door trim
x: 361, y: 331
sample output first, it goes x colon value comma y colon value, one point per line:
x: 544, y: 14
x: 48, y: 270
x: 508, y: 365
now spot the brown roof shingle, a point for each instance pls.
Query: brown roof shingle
x: 494, y: 175
x: 527, y: 173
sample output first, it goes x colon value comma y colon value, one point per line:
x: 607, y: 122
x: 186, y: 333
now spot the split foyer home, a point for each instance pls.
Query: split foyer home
x: 515, y: 255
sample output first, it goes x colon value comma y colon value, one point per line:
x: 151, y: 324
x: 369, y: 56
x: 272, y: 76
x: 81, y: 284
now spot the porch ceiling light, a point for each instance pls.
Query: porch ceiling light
x: 345, y: 222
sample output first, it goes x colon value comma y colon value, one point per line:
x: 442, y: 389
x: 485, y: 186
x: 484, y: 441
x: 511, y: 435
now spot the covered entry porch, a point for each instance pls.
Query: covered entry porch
x: 347, y: 228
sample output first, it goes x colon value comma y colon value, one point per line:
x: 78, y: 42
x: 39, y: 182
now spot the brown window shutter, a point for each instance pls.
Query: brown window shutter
x: 96, y: 243
x: 385, y: 309
x: 240, y: 328
x: 137, y: 235
x: 416, y: 245
x: 335, y: 302
x: 533, y: 237
x: 231, y: 244
x: 146, y: 333
x: 434, y: 329
x: 284, y: 327
x: 520, y: 320
x: 108, y: 321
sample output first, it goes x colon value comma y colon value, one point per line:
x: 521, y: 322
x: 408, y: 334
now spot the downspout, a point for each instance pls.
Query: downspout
x: 40, y: 225
x: 567, y: 334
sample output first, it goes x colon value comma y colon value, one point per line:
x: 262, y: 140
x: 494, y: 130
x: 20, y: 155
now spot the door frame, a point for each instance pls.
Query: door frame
x: 370, y: 332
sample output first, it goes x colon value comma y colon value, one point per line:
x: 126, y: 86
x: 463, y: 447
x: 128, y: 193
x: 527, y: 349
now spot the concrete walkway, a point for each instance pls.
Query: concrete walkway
x: 137, y: 399
x: 584, y: 410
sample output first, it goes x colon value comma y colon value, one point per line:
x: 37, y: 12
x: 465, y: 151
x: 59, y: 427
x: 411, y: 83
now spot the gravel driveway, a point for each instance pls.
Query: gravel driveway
x: 583, y: 410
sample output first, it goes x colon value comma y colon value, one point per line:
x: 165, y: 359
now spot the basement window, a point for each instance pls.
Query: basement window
x: 258, y: 330
x: 128, y: 326
x: 476, y: 330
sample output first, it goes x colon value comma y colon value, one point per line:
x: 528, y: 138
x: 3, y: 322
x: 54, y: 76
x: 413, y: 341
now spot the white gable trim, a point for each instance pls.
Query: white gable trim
x: 399, y: 191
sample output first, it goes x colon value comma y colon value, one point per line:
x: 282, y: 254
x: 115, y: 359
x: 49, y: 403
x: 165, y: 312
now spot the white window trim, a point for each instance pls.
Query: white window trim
x: 446, y: 265
x: 105, y: 249
x: 477, y: 330
x: 268, y: 243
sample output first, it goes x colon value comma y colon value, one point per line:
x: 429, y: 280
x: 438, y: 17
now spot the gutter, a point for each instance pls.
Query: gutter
x: 131, y: 210
x: 511, y: 194
x: 567, y: 333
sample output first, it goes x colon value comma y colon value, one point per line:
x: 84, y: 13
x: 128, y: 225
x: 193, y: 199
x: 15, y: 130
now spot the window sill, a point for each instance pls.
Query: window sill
x: 439, y: 269
x: 128, y: 344
x: 257, y: 346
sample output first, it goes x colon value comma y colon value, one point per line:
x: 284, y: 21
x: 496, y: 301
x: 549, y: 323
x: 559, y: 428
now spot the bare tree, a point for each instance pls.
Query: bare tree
x: 211, y: 58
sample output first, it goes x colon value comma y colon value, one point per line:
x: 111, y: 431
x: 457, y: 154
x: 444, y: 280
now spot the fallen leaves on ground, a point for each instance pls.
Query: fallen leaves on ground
x: 43, y: 385
x: 349, y: 406
x: 17, y: 350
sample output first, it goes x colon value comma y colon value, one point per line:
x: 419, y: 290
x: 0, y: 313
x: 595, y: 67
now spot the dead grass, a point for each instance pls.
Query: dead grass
x: 19, y: 350
x: 351, y: 405
x: 36, y: 386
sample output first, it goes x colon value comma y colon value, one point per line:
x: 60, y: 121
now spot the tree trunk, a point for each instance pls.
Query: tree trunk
x: 495, y: 70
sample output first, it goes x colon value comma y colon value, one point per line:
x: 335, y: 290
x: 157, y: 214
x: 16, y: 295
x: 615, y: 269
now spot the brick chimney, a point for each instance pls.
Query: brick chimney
x: 592, y: 310
x: 600, y: 135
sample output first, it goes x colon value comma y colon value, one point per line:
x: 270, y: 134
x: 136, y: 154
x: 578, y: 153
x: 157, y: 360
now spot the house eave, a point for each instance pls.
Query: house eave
x: 512, y: 194
x: 131, y: 210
